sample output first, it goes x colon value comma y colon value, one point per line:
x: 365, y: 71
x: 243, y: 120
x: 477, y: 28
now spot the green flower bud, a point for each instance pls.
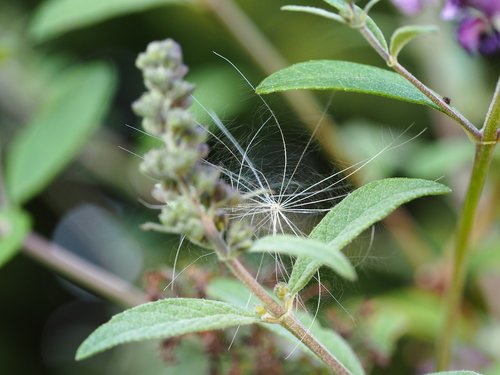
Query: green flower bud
x: 281, y: 291
x: 151, y: 104
x: 166, y: 53
x: 180, y: 120
x: 239, y: 236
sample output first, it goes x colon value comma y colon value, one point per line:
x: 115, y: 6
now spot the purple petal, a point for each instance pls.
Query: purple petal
x: 469, y: 33
x: 490, y: 44
x: 452, y: 9
x: 488, y: 7
x: 409, y: 7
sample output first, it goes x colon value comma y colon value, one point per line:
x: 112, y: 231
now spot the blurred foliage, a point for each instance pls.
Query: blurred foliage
x: 67, y: 79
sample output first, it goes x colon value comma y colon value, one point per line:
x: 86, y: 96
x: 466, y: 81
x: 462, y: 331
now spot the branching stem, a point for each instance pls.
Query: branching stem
x: 468, y: 127
x: 289, y: 321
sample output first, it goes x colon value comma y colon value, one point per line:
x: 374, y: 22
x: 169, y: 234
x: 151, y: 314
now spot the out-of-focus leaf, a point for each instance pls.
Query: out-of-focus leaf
x: 164, y: 319
x: 56, y: 17
x: 14, y: 225
x: 383, y: 152
x: 441, y: 158
x: 406, y: 34
x: 321, y: 252
x: 356, y: 213
x: 232, y: 291
x: 219, y: 90
x: 384, y: 330
x: 190, y: 358
x: 343, y: 76
x: 459, y: 372
x: 75, y: 107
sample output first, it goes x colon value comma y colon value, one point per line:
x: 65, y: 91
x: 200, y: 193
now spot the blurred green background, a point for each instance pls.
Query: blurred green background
x: 67, y: 80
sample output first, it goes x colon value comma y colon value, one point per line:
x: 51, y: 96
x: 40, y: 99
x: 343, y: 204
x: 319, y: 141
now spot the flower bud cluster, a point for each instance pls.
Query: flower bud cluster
x: 190, y: 189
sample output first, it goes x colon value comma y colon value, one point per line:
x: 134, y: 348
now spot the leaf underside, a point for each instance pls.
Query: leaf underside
x: 164, y: 319
x: 298, y: 246
x: 14, y: 225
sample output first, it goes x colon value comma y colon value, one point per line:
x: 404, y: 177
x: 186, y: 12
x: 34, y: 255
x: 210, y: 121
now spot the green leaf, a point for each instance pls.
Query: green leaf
x: 356, y: 213
x: 345, y: 16
x: 164, y: 319
x: 321, y: 252
x: 55, y: 17
x: 405, y: 34
x: 75, y: 107
x: 340, y: 5
x: 14, y: 226
x: 232, y: 291
x: 343, y: 76
x: 377, y: 33
x: 313, y: 10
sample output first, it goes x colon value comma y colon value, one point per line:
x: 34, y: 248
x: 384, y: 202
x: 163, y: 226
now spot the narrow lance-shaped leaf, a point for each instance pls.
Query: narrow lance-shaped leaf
x: 56, y: 17
x: 405, y: 34
x: 14, y: 225
x: 313, y: 10
x: 75, y: 107
x: 356, y: 213
x: 164, y: 319
x: 343, y: 76
x: 233, y: 292
x: 321, y: 252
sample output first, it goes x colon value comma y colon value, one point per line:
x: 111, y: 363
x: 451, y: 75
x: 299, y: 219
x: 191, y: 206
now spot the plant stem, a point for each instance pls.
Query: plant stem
x: 286, y: 318
x: 289, y: 321
x: 82, y: 272
x: 482, y: 160
x: 468, y: 127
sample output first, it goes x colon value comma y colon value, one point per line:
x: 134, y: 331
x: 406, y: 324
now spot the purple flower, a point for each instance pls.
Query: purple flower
x: 411, y: 7
x: 479, y: 24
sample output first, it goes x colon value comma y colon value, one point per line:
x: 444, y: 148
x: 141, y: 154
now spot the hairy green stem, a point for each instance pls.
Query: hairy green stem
x: 484, y: 154
x: 286, y: 318
x: 468, y: 127
x: 85, y: 274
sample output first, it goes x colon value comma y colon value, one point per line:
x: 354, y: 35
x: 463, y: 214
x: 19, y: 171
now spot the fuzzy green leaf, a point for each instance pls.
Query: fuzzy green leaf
x: 75, y: 107
x: 344, y: 11
x: 343, y: 76
x: 377, y: 33
x: 164, y: 319
x: 14, y: 225
x: 56, y: 17
x: 356, y: 213
x: 340, y: 5
x: 405, y: 34
x: 233, y: 292
x: 321, y: 252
